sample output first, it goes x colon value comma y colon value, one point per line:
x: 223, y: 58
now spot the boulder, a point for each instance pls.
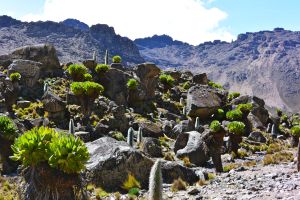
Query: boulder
x: 115, y: 84
x: 118, y: 66
x: 183, y: 126
x: 53, y: 103
x: 172, y: 171
x: 43, y: 53
x: 91, y: 64
x: 151, y: 147
x: 148, y: 75
x: 174, y: 73
x: 195, y: 149
x: 30, y: 71
x: 111, y: 161
x: 150, y: 129
x: 200, y: 79
x: 203, y: 101
x: 257, y: 136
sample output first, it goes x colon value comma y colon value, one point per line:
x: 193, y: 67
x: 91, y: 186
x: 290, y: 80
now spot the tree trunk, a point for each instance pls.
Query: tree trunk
x: 8, y: 165
x: 233, y: 145
x: 295, y: 141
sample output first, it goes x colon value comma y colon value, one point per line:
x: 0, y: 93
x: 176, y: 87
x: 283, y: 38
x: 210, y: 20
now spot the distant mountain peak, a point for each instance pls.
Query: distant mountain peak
x: 157, y: 41
x: 76, y: 24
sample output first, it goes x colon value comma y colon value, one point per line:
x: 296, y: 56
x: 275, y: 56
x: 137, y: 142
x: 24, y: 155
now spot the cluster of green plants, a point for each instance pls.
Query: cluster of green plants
x: 88, y: 77
x: 60, y: 150
x: 295, y: 131
x: 117, y: 59
x: 215, y: 85
x: 102, y: 68
x: 132, y: 84
x: 87, y: 88
x: 236, y: 127
x: 31, y: 112
x: 15, y: 76
x: 234, y: 115
x: 295, y: 120
x: 245, y: 108
x: 77, y: 72
x: 58, y: 86
x: 166, y: 79
x: 8, y: 130
x: 186, y: 85
x: 220, y: 114
x: 215, y: 126
x: 233, y: 95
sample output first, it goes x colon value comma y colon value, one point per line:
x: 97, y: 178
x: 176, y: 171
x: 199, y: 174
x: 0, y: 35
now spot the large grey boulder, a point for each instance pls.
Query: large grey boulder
x: 111, y: 161
x: 148, y: 75
x: 151, y: 147
x: 43, y: 53
x: 115, y: 84
x: 172, y: 171
x: 200, y: 79
x: 203, y: 101
x: 195, y: 148
x: 30, y: 71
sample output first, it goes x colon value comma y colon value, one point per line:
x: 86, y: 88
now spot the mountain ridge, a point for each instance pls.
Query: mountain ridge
x: 72, y: 39
x: 264, y: 63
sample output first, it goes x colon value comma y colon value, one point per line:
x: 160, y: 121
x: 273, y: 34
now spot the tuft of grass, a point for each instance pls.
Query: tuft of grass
x: 169, y: 156
x: 131, y: 182
x: 186, y: 162
x: 211, y: 176
x: 178, y: 185
x: 100, y: 193
x: 274, y: 147
x: 230, y: 166
x: 8, y: 191
x: 31, y: 112
x: 278, y: 157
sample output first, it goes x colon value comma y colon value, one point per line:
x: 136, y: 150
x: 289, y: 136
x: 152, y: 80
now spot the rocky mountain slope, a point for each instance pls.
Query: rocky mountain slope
x: 265, y: 63
x: 74, y: 40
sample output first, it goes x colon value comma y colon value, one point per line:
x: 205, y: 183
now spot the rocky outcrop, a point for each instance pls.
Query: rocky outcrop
x: 148, y: 75
x: 151, y: 147
x: 30, y: 71
x: 203, y: 101
x: 54, y: 105
x: 111, y: 161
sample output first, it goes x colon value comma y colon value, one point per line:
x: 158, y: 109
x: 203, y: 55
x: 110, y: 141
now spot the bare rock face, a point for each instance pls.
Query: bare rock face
x: 43, y: 53
x: 112, y: 160
x: 194, y: 148
x: 203, y: 101
x: 30, y: 71
x: 148, y: 75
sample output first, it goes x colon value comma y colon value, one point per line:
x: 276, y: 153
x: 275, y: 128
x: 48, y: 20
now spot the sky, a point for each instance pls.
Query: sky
x: 192, y: 21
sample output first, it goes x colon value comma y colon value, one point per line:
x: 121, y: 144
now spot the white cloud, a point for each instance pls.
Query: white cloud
x: 186, y: 20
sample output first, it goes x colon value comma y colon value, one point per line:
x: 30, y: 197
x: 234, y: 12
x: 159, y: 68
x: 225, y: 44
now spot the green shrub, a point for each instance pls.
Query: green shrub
x: 117, y: 59
x: 68, y: 154
x: 186, y: 85
x: 8, y: 129
x: 64, y: 152
x: 88, y: 77
x: 15, y: 76
x: 32, y: 147
x: 220, y: 114
x: 215, y: 126
x: 236, y: 127
x: 234, y: 115
x: 215, y: 85
x: 132, y: 84
x: 101, y: 68
x: 245, y: 108
x: 284, y: 118
x: 77, y: 71
x: 295, y: 131
x: 295, y: 120
x: 87, y: 88
x: 233, y: 95
x: 166, y: 80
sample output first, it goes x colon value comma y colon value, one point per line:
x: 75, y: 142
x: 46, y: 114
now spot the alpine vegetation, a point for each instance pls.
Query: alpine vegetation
x: 155, y: 182
x: 71, y: 127
x: 140, y: 135
x: 130, y: 134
